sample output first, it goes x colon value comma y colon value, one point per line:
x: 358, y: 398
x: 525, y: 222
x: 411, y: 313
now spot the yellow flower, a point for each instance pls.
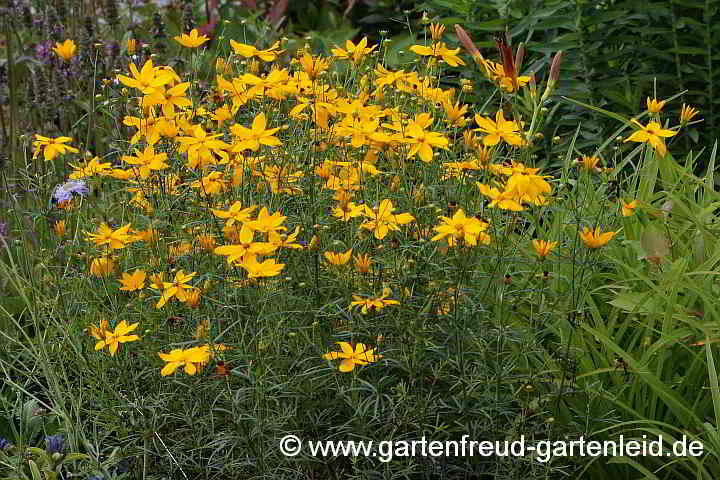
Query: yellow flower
x: 65, y: 50
x: 98, y: 331
x: 193, y: 298
x: 191, y: 41
x: 654, y: 105
x: 190, y: 358
x: 255, y: 269
x: 652, y: 134
x: 146, y: 79
x: 361, y: 355
x: 102, y: 267
x: 436, y: 31
x: 133, y: 282
x: 131, y: 46
x: 543, y: 247
x: 252, y: 138
x: 595, y: 238
x: 589, y: 163
x: 90, y: 168
x: 113, y: 339
x: 423, y: 142
x: 338, y: 258
x: 249, y: 51
x: 498, y: 130
x: 362, y: 263
x: 59, y: 228
x: 235, y: 214
x: 114, y: 239
x: 313, y: 66
x: 439, y: 50
x: 628, y: 208
x: 377, y: 303
x: 459, y: 228
x: 205, y: 241
x: 52, y: 147
x: 178, y: 288
x: 382, y: 220
x: 686, y: 114
x: 354, y: 52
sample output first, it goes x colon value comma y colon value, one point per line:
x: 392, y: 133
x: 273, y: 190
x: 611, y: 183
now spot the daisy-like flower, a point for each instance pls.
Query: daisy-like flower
x: 363, y: 263
x: 498, y: 130
x: 134, y: 281
x: 360, y: 355
x: 460, y: 228
x: 354, y: 52
x: 439, y: 50
x: 146, y: 79
x: 252, y: 138
x: 52, y: 147
x: 113, y: 339
x: 653, y: 134
x: 376, y: 303
x: 383, y: 220
x: 178, y: 288
x: 595, y: 238
x: 338, y: 258
x: 255, y: 269
x: 543, y: 247
x: 114, y: 239
x: 190, y: 359
x: 65, y: 191
x: 589, y: 163
x: 65, y: 50
x: 249, y: 51
x: 193, y: 40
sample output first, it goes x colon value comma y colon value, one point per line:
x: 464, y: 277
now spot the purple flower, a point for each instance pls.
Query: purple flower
x: 4, y: 443
x: 64, y: 192
x: 55, y: 443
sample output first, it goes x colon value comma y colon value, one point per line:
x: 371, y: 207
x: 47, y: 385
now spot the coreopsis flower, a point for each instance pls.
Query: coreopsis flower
x: 686, y: 114
x: 113, y: 339
x: 168, y: 100
x: 505, y: 200
x: 354, y: 52
x: 192, y: 40
x: 65, y: 50
x: 313, y: 66
x: 589, y: 163
x: 146, y: 161
x: 338, y: 258
x: 267, y: 268
x: 178, y: 288
x: 439, y: 50
x: 102, y: 266
x: 373, y: 303
x: 193, y: 298
x: 543, y: 247
x: 422, y: 142
x: 460, y: 228
x: 498, y: 130
x: 134, y: 281
x: 235, y: 213
x: 249, y: 51
x: 348, y: 210
x: 90, y: 168
x: 114, y: 239
x: 265, y: 222
x: 146, y: 79
x: 360, y: 355
x: 245, y: 246
x: 211, y: 184
x: 383, y: 220
x: 653, y: 134
x: 596, y: 238
x: 654, y: 105
x: 455, y: 114
x: 252, y: 138
x: 59, y: 228
x: 628, y: 208
x: 200, y: 147
x: 52, y: 147
x: 190, y: 359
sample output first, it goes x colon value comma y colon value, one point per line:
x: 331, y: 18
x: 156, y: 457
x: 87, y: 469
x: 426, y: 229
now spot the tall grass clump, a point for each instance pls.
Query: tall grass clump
x: 278, y: 242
